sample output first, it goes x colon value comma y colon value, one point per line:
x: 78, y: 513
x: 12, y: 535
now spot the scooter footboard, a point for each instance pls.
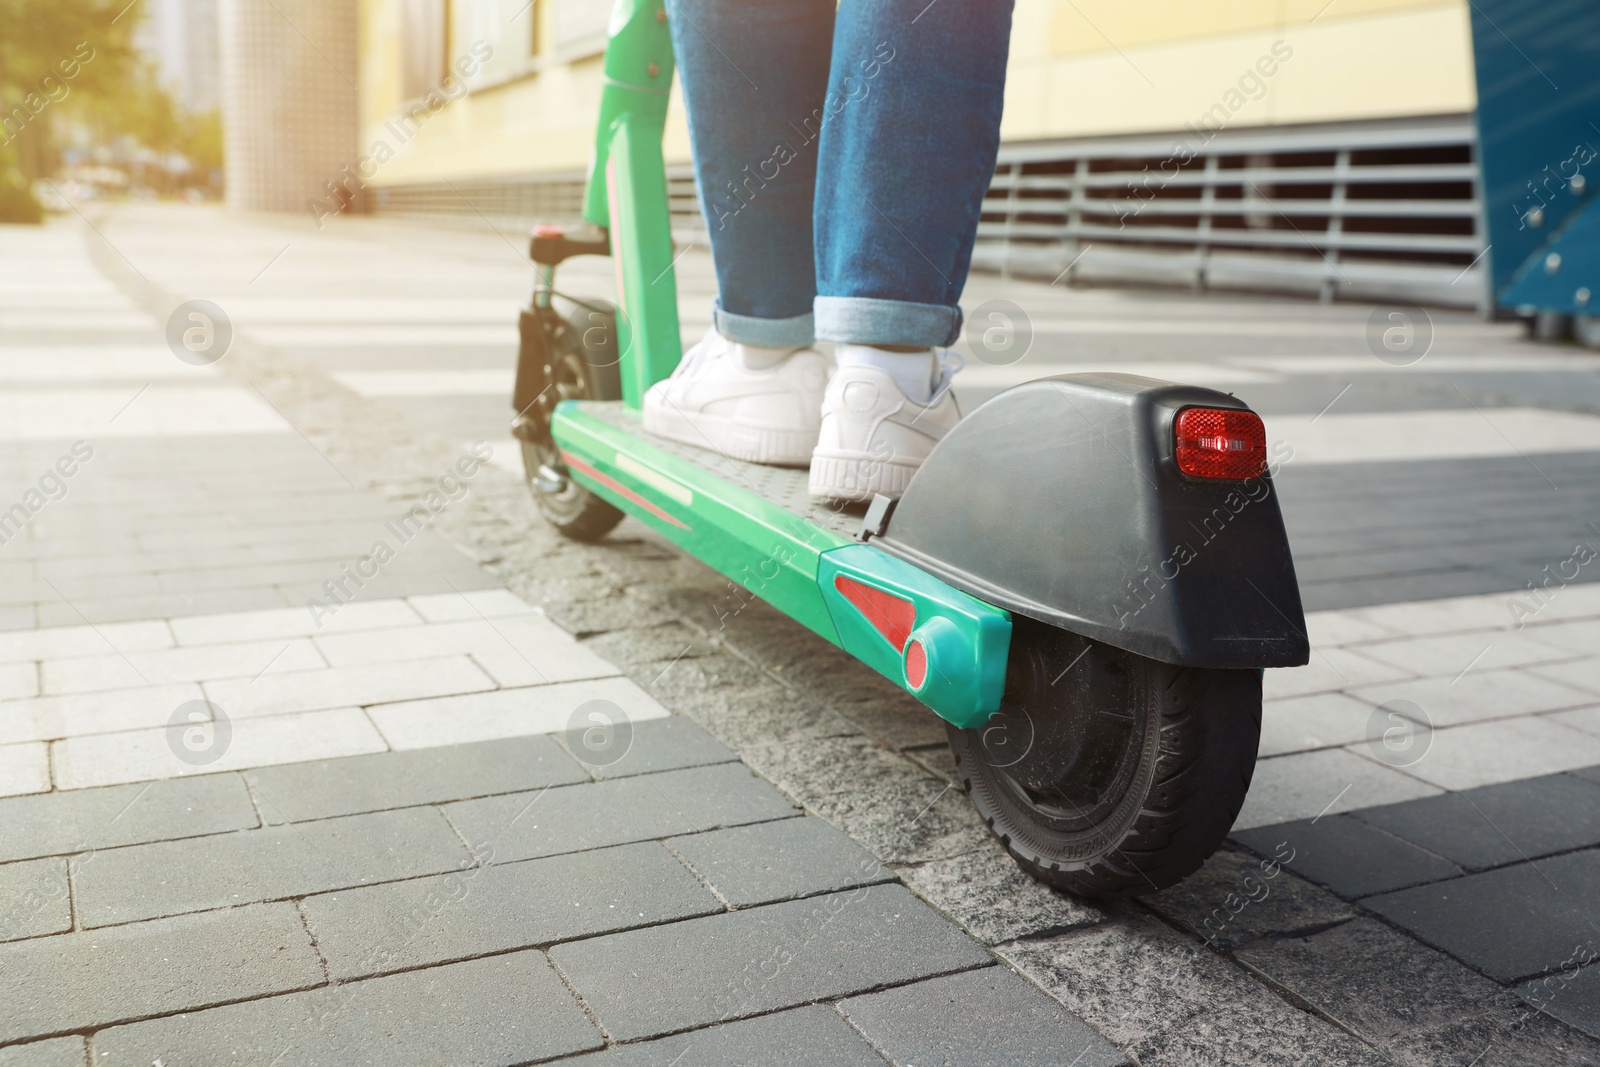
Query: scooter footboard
x: 1063, y: 500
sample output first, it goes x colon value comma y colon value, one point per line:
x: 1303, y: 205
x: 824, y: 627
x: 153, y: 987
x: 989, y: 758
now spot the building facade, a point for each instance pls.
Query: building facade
x: 290, y: 102
x: 1323, y: 146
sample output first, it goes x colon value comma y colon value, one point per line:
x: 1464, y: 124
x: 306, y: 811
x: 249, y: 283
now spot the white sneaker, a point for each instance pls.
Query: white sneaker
x: 873, y: 436
x: 763, y: 414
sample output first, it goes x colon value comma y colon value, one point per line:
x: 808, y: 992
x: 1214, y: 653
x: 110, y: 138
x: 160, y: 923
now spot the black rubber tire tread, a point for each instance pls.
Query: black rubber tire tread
x: 1210, y: 727
x: 593, y: 517
x: 595, y: 521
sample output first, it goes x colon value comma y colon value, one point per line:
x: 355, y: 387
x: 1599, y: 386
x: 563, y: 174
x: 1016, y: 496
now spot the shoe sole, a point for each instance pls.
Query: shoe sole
x: 725, y: 436
x: 857, y: 476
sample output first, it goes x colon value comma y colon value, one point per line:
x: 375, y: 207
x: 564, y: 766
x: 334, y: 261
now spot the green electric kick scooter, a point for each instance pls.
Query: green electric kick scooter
x: 1084, y: 580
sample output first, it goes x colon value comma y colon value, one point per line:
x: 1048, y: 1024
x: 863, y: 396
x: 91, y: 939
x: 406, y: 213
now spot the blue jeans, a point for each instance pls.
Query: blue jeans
x: 842, y: 162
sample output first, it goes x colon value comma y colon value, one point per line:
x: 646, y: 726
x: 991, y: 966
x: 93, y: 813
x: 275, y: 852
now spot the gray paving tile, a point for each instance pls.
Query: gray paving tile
x: 891, y: 806
x: 25, y: 592
x: 58, y: 1052
x: 332, y: 550
x: 988, y: 893
x: 815, y: 1036
x: 1348, y: 856
x: 661, y: 745
x: 34, y: 899
x: 356, y: 534
x: 734, y: 700
x: 661, y: 644
x: 102, y: 585
x: 741, y: 963
x: 577, y: 817
x: 172, y: 877
x: 1498, y: 824
x: 18, y: 616
x: 985, y: 1018
x: 258, y: 575
x: 1434, y: 495
x: 49, y: 824
x: 1166, y: 1000
x: 1510, y: 923
x: 294, y: 792
x: 1237, y: 898
x: 480, y: 910
x: 93, y: 978
x: 505, y: 1009
x: 124, y: 609
x: 447, y: 576
x: 1376, y: 982
x: 1508, y: 1036
x: 780, y: 860
x: 124, y: 562
x: 1571, y: 995
x: 938, y: 760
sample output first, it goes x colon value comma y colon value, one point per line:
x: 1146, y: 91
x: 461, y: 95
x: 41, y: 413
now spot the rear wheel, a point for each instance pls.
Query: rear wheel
x: 579, y: 354
x: 1105, y: 773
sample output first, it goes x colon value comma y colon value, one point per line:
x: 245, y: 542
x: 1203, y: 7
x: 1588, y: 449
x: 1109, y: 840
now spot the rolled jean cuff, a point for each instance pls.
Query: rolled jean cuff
x: 766, y: 333
x: 861, y: 320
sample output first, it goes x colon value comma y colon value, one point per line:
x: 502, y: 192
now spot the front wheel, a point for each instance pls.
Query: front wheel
x: 572, y: 357
x: 1105, y: 773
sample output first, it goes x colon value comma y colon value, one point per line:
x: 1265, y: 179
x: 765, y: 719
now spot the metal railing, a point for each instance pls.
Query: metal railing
x: 1339, y: 211
x: 511, y: 204
x: 1342, y: 211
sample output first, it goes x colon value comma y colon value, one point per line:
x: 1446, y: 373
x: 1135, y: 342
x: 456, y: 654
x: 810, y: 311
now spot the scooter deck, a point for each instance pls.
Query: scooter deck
x: 758, y: 526
x: 786, y: 487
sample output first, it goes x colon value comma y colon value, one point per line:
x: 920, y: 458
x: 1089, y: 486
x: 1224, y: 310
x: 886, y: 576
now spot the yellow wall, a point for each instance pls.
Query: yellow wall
x: 1078, y: 68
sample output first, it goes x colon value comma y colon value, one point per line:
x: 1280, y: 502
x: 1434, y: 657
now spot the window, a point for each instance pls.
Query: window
x: 581, y: 25
x: 421, y: 46
x: 498, y: 34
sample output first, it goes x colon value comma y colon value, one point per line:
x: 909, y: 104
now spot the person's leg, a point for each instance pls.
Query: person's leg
x: 753, y: 72
x: 911, y: 131
x: 912, y: 128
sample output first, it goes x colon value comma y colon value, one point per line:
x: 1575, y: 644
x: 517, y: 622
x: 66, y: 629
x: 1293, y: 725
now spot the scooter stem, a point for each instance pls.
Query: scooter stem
x: 627, y: 193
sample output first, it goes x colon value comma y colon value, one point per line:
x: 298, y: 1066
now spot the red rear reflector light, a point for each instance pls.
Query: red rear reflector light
x: 1213, y: 443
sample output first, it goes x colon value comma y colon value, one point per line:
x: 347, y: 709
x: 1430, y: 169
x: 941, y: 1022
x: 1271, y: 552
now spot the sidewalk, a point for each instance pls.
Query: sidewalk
x: 392, y: 846
x: 281, y: 796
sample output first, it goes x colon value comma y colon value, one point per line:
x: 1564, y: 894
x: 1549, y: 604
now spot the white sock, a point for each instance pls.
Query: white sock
x: 760, y: 357
x: 914, y: 372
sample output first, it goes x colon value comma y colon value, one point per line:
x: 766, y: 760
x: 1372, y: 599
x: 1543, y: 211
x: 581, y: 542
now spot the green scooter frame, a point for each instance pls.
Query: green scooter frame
x: 1067, y: 774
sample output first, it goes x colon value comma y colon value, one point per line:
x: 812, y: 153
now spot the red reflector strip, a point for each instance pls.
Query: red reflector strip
x: 889, y: 615
x: 621, y: 490
x: 916, y: 665
x: 1215, y: 443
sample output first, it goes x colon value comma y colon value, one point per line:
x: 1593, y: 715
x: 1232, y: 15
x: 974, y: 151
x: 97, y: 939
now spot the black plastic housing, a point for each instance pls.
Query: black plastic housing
x: 1061, y: 500
x: 551, y: 245
x: 532, y: 339
x: 544, y: 334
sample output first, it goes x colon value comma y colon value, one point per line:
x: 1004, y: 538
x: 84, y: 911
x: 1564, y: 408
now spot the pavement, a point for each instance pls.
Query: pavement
x: 317, y: 746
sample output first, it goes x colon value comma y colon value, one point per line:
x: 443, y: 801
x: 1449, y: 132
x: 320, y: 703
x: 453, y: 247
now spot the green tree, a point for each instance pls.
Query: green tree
x: 202, y: 140
x: 52, y: 51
